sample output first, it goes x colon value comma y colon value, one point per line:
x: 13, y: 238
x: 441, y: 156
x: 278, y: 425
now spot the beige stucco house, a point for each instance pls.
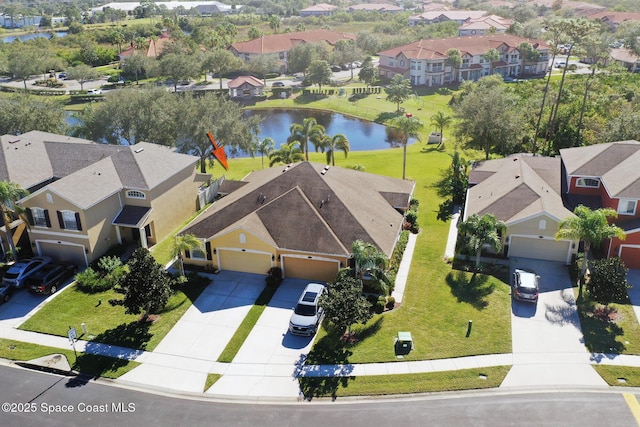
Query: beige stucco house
x: 86, y: 197
x: 302, y: 218
x: 524, y: 192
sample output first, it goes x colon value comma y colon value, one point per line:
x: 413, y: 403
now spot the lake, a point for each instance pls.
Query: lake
x: 362, y: 135
x: 30, y: 36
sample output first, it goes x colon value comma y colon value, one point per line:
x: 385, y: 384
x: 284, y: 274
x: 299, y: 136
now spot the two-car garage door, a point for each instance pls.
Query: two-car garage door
x: 249, y: 262
x: 534, y: 247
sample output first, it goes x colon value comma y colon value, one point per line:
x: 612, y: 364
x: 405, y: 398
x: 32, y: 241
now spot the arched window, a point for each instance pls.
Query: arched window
x: 243, y: 238
x: 542, y: 225
x: 135, y: 194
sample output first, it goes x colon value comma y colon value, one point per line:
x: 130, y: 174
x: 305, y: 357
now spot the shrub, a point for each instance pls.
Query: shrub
x: 379, y: 305
x: 608, y: 281
x: 391, y: 302
x: 413, y: 204
x: 91, y: 282
x: 107, y: 273
x: 411, y: 218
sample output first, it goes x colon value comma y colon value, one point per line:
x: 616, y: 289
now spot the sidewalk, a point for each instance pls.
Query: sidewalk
x: 184, y: 358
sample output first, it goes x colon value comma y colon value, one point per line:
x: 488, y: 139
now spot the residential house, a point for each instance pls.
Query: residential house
x: 425, y: 62
x: 523, y: 191
x: 245, y: 87
x: 86, y: 197
x: 532, y: 194
x: 320, y: 9
x: 280, y: 44
x: 155, y: 47
x: 437, y: 16
x: 492, y: 24
x: 625, y: 58
x: 614, y: 19
x: 576, y: 8
x: 607, y: 175
x: 375, y: 7
x: 203, y: 7
x: 301, y: 217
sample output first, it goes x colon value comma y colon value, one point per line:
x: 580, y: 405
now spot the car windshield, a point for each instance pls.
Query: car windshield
x: 524, y: 290
x: 305, y: 310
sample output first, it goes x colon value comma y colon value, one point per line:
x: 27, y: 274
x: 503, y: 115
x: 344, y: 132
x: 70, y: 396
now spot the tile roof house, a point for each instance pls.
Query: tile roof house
x: 375, y: 7
x: 524, y: 192
x: 425, y: 62
x: 614, y: 19
x: 245, y: 87
x: 531, y: 194
x: 86, y: 197
x: 484, y: 25
x: 320, y: 9
x: 626, y: 58
x: 302, y: 218
x: 280, y: 44
x: 436, y: 16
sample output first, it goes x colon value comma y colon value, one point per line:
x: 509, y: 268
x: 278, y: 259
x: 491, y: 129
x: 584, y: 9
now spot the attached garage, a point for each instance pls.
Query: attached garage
x: 65, y: 253
x: 246, y: 261
x: 630, y: 255
x: 534, y: 247
x: 321, y: 270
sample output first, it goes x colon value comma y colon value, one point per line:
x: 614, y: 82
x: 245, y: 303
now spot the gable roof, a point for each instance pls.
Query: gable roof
x: 309, y: 207
x: 473, y: 45
x: 285, y: 41
x: 516, y: 188
x: 320, y: 7
x: 83, y: 171
x: 487, y: 22
x: 240, y: 80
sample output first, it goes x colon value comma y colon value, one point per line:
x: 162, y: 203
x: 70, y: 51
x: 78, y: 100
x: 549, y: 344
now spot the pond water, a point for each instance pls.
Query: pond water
x: 30, y: 36
x: 362, y: 135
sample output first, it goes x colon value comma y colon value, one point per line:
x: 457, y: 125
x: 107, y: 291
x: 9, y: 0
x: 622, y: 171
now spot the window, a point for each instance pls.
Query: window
x: 69, y: 220
x: 402, y: 63
x: 49, y: 198
x: 542, y: 225
x: 627, y: 207
x: 134, y: 194
x: 196, y: 253
x: 243, y: 238
x: 588, y: 182
x: 40, y: 217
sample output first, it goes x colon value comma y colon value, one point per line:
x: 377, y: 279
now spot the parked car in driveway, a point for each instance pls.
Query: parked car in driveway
x: 50, y: 278
x: 307, y: 314
x: 525, y: 285
x: 5, y: 292
x: 18, y: 273
x: 94, y: 92
x: 278, y: 84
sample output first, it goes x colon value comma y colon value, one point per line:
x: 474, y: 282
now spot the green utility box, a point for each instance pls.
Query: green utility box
x: 404, y: 343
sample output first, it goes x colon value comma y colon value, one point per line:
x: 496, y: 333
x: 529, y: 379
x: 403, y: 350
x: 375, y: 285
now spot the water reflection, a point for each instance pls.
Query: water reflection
x: 31, y: 36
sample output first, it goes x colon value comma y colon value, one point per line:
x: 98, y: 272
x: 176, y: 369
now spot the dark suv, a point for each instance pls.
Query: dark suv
x: 49, y: 278
x: 525, y: 286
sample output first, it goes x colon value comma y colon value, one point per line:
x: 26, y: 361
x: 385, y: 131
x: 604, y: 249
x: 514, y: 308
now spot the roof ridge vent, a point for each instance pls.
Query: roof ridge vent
x: 14, y: 141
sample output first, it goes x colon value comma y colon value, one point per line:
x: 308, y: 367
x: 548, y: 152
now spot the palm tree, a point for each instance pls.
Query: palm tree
x: 370, y: 266
x: 288, y: 153
x: 491, y: 56
x: 183, y: 243
x: 10, y: 192
x: 331, y: 144
x: 592, y: 228
x: 309, y: 130
x: 455, y: 60
x: 440, y: 120
x: 408, y: 127
x: 265, y: 147
x: 480, y: 231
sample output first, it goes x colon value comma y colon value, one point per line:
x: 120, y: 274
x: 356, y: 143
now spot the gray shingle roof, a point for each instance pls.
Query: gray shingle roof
x: 302, y: 208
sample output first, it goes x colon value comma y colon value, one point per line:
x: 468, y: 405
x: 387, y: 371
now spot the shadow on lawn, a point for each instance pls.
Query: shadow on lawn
x: 471, y: 292
x: 600, y: 334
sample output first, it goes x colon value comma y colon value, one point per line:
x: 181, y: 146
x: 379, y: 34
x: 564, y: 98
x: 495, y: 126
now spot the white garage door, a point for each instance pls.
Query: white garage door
x: 532, y: 247
x: 63, y: 253
x: 248, y: 262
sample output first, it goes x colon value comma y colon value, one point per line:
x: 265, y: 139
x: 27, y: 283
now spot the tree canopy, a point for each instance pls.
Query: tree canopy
x: 344, y: 304
x: 398, y: 90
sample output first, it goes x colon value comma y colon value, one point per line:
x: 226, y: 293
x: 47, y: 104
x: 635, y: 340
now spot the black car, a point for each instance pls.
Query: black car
x: 49, y: 278
x: 6, y: 292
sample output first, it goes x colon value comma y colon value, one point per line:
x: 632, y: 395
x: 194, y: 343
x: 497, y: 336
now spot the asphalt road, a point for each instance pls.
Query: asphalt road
x: 32, y: 398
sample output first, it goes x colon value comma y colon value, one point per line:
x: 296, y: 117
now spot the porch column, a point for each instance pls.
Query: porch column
x: 143, y: 238
x: 118, y: 235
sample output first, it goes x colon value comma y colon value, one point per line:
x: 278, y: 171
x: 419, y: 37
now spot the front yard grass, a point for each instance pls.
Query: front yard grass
x: 438, y: 301
x: 613, y: 374
x: 89, y: 364
x: 106, y: 323
x: 376, y: 385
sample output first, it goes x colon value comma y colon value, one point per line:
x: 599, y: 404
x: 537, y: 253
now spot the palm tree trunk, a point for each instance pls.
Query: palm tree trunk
x: 9, y: 233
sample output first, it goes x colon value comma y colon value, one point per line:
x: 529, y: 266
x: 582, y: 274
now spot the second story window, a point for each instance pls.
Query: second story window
x: 627, y: 207
x: 69, y: 220
x: 40, y: 217
x: 134, y: 194
x: 588, y: 182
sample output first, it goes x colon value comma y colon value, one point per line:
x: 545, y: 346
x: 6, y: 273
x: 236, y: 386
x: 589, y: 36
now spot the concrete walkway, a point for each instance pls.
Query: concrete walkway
x: 270, y: 361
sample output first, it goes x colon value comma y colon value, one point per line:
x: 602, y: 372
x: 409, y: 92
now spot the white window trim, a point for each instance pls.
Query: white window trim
x: 44, y: 218
x: 625, y: 203
x: 583, y: 178
x: 135, y: 194
x: 194, y: 254
x: 75, y: 223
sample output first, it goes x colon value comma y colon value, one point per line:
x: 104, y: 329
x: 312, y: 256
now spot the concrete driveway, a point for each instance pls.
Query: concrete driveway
x: 23, y: 304
x: 547, y: 337
x: 266, y: 362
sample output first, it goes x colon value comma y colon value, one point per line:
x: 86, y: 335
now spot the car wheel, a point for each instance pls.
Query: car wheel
x: 6, y: 297
x: 53, y: 289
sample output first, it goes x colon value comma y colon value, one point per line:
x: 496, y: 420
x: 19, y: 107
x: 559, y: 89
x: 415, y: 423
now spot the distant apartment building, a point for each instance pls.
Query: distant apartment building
x: 492, y: 24
x: 437, y: 16
x: 425, y: 62
x: 321, y: 9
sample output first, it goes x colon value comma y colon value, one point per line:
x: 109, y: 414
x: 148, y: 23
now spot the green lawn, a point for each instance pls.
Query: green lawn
x: 466, y: 379
x: 438, y: 302
x: 89, y: 364
x: 613, y: 375
x: 106, y: 323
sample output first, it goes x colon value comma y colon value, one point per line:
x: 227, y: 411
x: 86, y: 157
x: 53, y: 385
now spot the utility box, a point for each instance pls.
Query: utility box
x: 404, y: 343
x: 434, y: 138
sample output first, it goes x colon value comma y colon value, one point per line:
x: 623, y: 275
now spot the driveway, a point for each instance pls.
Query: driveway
x: 546, y: 337
x: 23, y: 304
x: 266, y: 362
